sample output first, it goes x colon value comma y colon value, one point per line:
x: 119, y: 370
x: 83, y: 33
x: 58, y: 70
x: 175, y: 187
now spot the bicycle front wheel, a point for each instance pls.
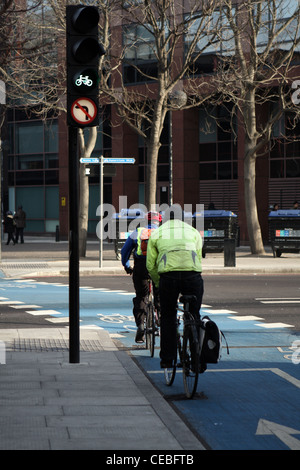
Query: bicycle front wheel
x: 190, y: 360
x: 150, y: 329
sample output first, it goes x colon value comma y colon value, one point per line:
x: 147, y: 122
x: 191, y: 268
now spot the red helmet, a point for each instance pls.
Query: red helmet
x: 153, y: 216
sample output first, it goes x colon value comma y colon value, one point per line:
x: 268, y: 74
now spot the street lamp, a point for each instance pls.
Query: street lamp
x: 177, y: 99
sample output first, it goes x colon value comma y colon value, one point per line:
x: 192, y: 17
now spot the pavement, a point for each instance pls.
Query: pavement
x: 104, y: 402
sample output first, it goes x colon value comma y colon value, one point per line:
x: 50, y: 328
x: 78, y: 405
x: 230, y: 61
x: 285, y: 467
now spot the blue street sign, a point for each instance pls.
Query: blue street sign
x: 107, y: 160
x: 89, y: 160
x: 118, y: 160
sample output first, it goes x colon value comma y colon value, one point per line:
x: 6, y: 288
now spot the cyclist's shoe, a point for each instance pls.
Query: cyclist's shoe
x: 140, y: 335
x: 202, y: 368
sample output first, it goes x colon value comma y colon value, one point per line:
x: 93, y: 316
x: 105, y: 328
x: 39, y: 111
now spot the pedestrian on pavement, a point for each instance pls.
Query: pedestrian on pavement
x: 136, y: 243
x: 20, y: 220
x: 9, y: 227
x: 174, y: 261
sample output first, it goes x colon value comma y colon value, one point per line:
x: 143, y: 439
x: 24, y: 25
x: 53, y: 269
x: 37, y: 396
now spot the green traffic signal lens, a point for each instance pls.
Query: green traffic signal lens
x: 85, y: 80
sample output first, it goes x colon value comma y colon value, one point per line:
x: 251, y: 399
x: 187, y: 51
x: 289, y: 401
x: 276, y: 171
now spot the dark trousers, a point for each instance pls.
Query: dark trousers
x: 170, y: 286
x: 10, y: 236
x: 140, y: 278
x: 20, y: 233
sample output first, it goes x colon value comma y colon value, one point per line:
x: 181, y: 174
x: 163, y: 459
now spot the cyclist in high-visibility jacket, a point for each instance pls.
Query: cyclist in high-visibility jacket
x: 140, y: 275
x: 174, y: 262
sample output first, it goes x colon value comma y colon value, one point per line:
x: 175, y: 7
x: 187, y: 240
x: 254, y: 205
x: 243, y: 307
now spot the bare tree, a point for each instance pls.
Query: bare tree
x: 263, y: 40
x: 39, y: 74
x: 36, y: 78
x: 151, y: 37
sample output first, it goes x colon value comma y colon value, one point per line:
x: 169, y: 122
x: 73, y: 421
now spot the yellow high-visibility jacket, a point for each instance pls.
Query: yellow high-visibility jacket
x: 174, y: 246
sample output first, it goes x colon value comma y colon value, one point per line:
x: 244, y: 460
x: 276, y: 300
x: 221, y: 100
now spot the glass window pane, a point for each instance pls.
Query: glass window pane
x: 32, y: 200
x: 207, y: 127
x: 51, y: 137
x: 52, y: 202
x: 276, y: 169
x: 208, y: 171
x: 29, y: 137
x: 93, y: 201
x: 293, y: 168
x: 292, y: 149
x: 50, y: 225
x: 30, y: 162
x: 35, y: 226
x: 163, y: 172
x: 51, y: 177
x: 11, y: 138
x: 224, y: 171
x: 277, y: 149
x: 207, y: 152
x: 51, y: 160
x: 11, y: 162
x: 224, y: 151
x: 29, y: 178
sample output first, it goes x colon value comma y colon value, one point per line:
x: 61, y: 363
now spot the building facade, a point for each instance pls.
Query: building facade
x: 207, y: 166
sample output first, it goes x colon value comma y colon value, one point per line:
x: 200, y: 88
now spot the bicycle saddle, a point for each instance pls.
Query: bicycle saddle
x: 187, y: 299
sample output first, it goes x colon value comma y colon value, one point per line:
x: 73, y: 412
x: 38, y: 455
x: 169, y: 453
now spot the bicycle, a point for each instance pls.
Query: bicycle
x: 151, y: 321
x: 188, y: 349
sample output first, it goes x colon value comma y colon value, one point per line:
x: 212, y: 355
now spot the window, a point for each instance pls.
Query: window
x: 217, y: 148
x: 29, y: 137
x: 285, y: 149
x: 33, y: 154
x: 163, y: 156
x: 140, y: 63
x: 215, y: 39
x: 274, y: 19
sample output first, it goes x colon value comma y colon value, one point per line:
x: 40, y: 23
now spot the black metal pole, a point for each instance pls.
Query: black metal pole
x: 74, y: 342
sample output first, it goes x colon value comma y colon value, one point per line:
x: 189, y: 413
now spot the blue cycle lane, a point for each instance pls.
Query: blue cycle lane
x: 249, y: 401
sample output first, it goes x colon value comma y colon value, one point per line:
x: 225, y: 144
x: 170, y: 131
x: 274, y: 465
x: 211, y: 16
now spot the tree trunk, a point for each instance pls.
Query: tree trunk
x: 83, y: 210
x: 254, y: 230
x: 85, y: 151
x: 153, y: 146
x: 152, y: 158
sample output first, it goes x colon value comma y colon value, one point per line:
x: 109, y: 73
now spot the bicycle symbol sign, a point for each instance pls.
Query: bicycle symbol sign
x: 83, y: 110
x: 84, y: 80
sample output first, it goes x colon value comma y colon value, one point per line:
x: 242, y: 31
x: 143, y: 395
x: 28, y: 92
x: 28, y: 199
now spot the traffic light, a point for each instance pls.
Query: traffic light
x: 83, y: 53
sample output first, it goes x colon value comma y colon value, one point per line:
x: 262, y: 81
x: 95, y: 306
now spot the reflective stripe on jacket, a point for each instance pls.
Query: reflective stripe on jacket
x: 175, y: 246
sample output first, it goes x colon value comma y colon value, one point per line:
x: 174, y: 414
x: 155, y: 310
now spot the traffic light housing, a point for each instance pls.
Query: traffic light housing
x: 83, y: 54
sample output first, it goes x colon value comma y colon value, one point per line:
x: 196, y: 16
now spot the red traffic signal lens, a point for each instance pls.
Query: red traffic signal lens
x: 85, y: 18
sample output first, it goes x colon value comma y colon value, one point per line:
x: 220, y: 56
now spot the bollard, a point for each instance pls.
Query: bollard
x: 229, y: 252
x: 57, y: 233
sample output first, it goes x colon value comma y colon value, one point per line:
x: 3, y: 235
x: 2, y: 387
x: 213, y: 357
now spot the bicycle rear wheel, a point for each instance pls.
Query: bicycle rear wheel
x: 150, y: 329
x: 170, y: 373
x: 190, y: 360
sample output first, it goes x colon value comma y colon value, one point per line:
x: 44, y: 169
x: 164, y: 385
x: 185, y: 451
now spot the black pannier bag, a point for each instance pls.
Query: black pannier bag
x: 211, y: 350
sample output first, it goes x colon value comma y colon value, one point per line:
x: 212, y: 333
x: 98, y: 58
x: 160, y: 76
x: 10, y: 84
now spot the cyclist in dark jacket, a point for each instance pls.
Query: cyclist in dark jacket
x: 140, y: 275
